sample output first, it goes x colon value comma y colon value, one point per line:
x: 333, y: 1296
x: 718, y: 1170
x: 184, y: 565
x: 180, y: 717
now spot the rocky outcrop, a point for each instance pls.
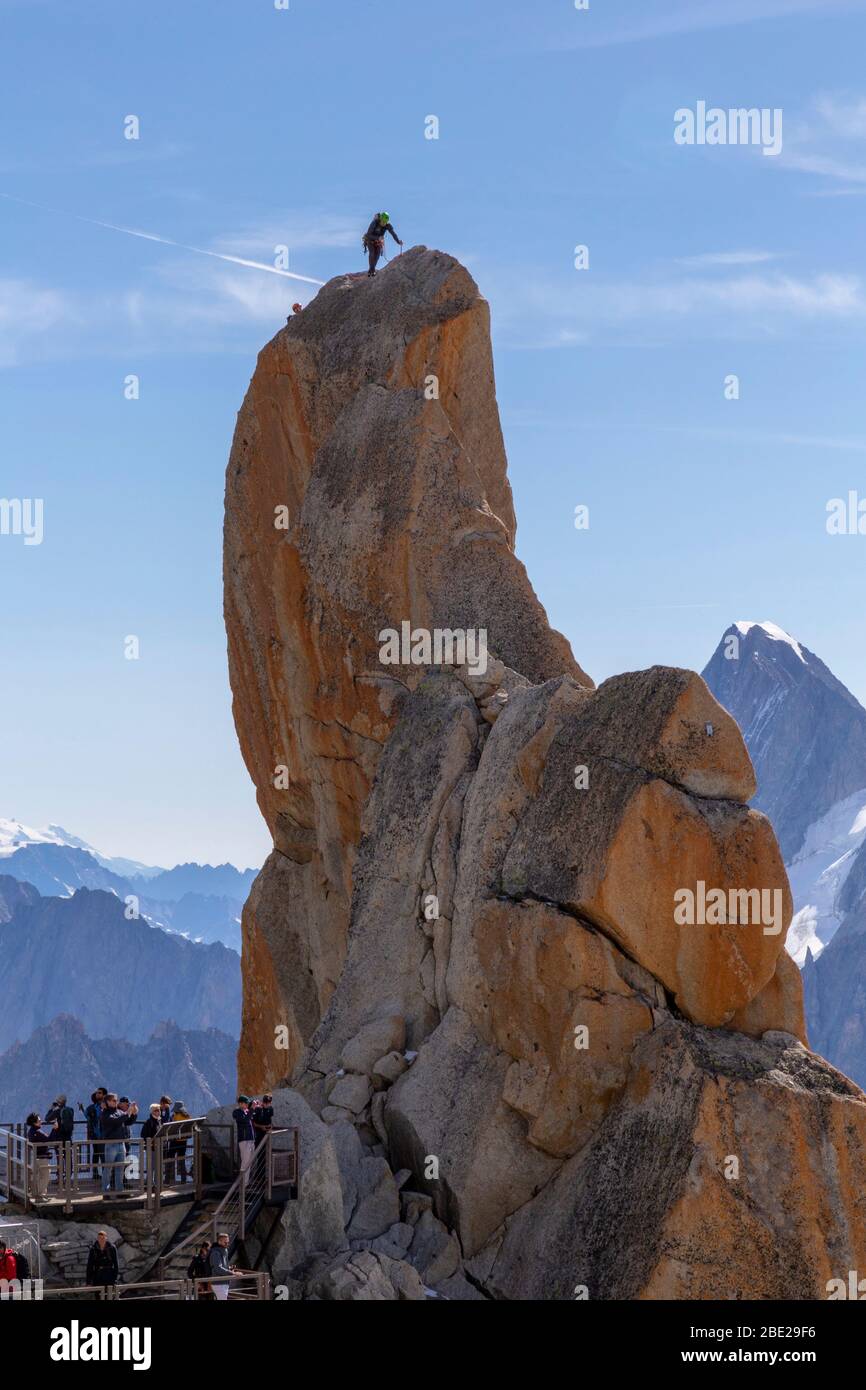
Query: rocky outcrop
x: 522, y: 939
x: 709, y: 1178
x: 366, y: 488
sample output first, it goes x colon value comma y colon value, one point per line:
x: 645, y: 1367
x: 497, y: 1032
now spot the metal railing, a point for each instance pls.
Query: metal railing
x: 22, y: 1237
x: 269, y: 1172
x: 70, y: 1172
x: 246, y: 1284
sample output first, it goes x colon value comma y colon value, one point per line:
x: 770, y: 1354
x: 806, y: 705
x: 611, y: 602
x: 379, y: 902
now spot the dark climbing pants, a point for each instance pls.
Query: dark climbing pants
x: 375, y: 247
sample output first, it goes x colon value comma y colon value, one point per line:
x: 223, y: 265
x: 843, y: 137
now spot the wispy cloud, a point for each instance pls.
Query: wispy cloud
x: 668, y: 20
x: 750, y: 294
x: 846, y: 444
x: 130, y: 152
x: 539, y: 420
x: 828, y: 166
x: 844, y: 115
x: 542, y: 314
x: 182, y: 292
x: 298, y: 231
x: 270, y: 269
x: 216, y: 299
x: 828, y: 139
x: 177, y: 306
x: 725, y: 258
x: 28, y: 312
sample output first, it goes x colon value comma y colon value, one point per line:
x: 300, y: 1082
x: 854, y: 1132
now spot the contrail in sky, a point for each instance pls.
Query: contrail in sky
x: 166, y: 241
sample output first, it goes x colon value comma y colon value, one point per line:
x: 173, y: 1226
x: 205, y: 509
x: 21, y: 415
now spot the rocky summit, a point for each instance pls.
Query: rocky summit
x: 516, y: 961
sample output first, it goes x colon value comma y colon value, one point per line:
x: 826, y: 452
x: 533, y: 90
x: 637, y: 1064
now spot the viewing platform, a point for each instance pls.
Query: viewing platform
x: 192, y: 1162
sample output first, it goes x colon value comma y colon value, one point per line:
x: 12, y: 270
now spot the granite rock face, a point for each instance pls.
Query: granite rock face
x: 522, y: 938
x: 366, y: 488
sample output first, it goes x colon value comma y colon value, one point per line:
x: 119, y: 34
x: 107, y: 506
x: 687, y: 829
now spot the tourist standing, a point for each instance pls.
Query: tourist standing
x: 219, y: 1265
x: 102, y: 1268
x: 115, y: 1128
x: 41, y: 1148
x: 243, y: 1119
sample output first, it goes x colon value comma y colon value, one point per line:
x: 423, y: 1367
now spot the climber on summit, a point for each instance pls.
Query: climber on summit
x: 374, y: 238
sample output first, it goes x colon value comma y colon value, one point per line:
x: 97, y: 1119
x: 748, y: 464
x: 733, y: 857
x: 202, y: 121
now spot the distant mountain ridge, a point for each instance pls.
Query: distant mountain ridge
x: 220, y: 881
x: 805, y: 731
x: 195, y: 1066
x: 82, y: 956
x: 70, y: 954
x: 60, y: 870
x: 13, y: 834
x: 806, y: 734
x: 196, y: 899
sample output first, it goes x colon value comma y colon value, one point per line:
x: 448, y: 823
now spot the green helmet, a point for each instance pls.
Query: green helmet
x: 383, y: 217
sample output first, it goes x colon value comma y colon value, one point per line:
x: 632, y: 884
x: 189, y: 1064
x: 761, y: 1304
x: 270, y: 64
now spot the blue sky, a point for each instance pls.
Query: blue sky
x: 261, y: 127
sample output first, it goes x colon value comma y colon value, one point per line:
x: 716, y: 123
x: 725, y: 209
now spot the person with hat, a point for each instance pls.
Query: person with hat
x: 130, y: 1110
x: 41, y: 1143
x: 177, y: 1144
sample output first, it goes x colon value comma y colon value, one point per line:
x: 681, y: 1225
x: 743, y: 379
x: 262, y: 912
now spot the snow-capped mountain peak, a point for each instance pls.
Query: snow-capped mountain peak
x: 805, y: 732
x: 818, y: 874
x: 775, y: 633
x: 14, y: 835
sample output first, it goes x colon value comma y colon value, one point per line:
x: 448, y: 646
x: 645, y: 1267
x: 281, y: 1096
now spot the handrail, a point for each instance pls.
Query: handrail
x: 160, y: 1290
x: 72, y: 1165
x: 13, y: 1125
x: 222, y: 1216
x: 240, y: 1204
x: 76, y: 1290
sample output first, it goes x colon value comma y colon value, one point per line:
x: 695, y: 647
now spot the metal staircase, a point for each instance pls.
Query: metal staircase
x: 271, y: 1178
